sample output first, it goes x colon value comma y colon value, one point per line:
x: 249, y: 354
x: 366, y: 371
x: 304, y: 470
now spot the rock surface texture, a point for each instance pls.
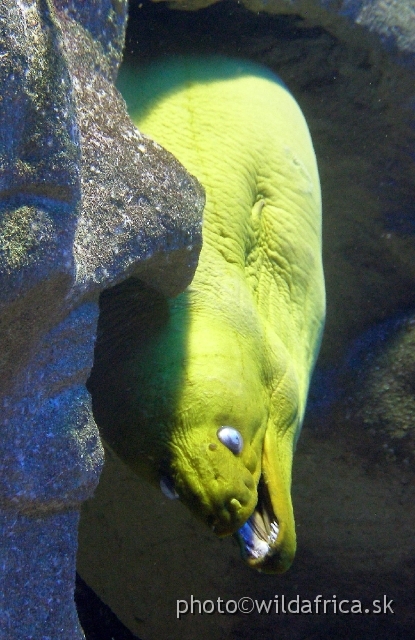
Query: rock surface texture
x: 85, y: 202
x: 390, y: 21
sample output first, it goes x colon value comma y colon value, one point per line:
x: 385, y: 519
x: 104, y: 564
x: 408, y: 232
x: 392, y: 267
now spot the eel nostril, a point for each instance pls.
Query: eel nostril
x: 234, y: 505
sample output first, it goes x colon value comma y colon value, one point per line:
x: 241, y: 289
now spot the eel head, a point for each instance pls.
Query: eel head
x: 235, y: 472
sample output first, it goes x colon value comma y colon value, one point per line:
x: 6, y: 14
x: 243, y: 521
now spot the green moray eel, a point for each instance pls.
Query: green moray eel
x: 209, y: 390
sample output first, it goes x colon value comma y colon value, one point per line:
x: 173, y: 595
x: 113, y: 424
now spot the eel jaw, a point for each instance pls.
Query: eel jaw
x: 260, y: 532
x: 259, y: 536
x: 267, y: 538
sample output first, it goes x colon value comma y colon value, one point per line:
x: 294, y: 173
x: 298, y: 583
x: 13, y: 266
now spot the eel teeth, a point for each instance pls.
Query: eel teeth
x: 260, y: 531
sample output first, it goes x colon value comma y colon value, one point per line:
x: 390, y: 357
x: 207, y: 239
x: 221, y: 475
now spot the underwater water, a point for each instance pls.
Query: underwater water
x: 353, y: 478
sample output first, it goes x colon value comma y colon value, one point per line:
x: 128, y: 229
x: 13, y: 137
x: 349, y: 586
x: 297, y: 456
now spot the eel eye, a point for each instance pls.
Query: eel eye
x: 231, y: 438
x: 167, y: 487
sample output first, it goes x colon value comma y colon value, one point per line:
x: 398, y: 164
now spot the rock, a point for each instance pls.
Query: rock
x: 85, y: 202
x: 390, y: 21
x: 386, y: 397
x: 377, y: 384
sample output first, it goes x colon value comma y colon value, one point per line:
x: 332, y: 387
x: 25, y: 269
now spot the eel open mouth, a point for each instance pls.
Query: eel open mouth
x: 257, y: 537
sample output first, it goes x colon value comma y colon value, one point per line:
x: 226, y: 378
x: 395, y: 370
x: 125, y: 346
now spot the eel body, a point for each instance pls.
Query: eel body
x: 207, y: 391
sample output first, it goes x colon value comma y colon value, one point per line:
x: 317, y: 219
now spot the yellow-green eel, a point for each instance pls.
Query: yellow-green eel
x: 209, y: 393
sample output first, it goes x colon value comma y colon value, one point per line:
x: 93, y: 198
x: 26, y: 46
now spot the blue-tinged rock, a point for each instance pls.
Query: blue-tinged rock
x: 85, y: 202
